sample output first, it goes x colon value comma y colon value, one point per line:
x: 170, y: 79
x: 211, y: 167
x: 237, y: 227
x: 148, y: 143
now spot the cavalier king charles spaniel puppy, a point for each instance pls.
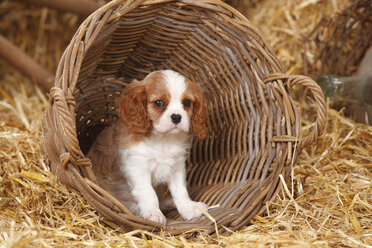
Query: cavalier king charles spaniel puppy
x: 148, y: 145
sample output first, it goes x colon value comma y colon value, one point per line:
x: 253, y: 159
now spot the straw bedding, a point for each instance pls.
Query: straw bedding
x: 327, y: 202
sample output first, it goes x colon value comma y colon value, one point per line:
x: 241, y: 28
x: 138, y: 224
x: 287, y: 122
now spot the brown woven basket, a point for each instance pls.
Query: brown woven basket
x: 253, y: 120
x: 340, y: 41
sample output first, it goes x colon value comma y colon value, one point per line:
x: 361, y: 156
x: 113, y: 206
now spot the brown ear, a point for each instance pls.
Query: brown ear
x: 199, y: 116
x: 133, y: 109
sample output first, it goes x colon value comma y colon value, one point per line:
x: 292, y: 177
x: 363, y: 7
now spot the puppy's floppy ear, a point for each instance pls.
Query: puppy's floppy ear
x: 133, y: 109
x: 199, y: 116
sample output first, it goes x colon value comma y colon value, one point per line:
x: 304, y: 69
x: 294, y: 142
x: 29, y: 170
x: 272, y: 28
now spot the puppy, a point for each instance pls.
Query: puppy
x: 148, y: 145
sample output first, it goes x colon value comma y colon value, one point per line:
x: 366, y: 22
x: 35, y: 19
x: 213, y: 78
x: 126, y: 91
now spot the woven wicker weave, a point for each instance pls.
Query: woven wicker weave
x: 254, y: 123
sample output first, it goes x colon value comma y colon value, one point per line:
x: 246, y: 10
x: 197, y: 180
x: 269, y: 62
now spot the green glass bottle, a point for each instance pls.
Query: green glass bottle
x: 352, y: 93
x: 356, y: 89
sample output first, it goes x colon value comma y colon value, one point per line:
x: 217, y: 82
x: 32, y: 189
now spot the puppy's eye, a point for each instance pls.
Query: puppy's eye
x: 159, y: 104
x: 186, y: 103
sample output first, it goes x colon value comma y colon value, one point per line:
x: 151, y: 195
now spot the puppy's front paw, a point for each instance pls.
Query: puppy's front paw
x: 154, y: 215
x: 192, y: 210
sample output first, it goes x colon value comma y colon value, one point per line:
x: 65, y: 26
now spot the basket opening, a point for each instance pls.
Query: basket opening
x: 253, y: 120
x: 204, y: 49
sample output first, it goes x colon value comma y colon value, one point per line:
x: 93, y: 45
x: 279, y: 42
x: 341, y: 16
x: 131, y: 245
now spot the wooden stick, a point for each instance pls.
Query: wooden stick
x: 25, y: 64
x: 80, y: 7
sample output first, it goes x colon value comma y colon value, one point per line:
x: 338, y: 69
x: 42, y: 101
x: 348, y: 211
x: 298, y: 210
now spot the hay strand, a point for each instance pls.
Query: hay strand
x: 331, y: 184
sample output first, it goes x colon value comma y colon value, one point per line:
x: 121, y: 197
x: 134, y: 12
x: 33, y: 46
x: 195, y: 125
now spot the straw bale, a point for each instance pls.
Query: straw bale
x: 286, y: 25
x: 327, y: 203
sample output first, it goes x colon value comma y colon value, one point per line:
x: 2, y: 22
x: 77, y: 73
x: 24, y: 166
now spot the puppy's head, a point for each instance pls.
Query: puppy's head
x: 164, y: 102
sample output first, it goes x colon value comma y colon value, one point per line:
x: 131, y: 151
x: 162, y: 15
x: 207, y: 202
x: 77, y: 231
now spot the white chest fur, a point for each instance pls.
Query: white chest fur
x: 156, y: 155
x: 158, y: 159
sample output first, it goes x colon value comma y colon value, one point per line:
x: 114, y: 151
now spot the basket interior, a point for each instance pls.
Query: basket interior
x: 229, y: 60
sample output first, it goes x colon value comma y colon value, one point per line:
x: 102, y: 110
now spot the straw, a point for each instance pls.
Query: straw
x: 331, y: 204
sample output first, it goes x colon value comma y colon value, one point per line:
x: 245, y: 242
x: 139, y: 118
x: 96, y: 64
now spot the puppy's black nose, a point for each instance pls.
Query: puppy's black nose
x: 176, y: 118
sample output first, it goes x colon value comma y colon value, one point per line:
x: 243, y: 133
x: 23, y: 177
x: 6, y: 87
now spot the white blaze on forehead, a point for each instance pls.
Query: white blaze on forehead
x: 176, y: 86
x: 175, y: 83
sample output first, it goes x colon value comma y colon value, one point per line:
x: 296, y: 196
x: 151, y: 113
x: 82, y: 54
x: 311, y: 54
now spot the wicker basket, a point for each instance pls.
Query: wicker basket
x: 340, y: 41
x: 254, y: 123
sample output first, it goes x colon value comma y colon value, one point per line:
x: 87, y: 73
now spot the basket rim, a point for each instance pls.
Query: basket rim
x: 85, y: 31
x: 62, y: 108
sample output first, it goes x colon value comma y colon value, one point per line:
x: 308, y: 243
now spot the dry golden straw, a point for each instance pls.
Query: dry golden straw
x: 328, y: 202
